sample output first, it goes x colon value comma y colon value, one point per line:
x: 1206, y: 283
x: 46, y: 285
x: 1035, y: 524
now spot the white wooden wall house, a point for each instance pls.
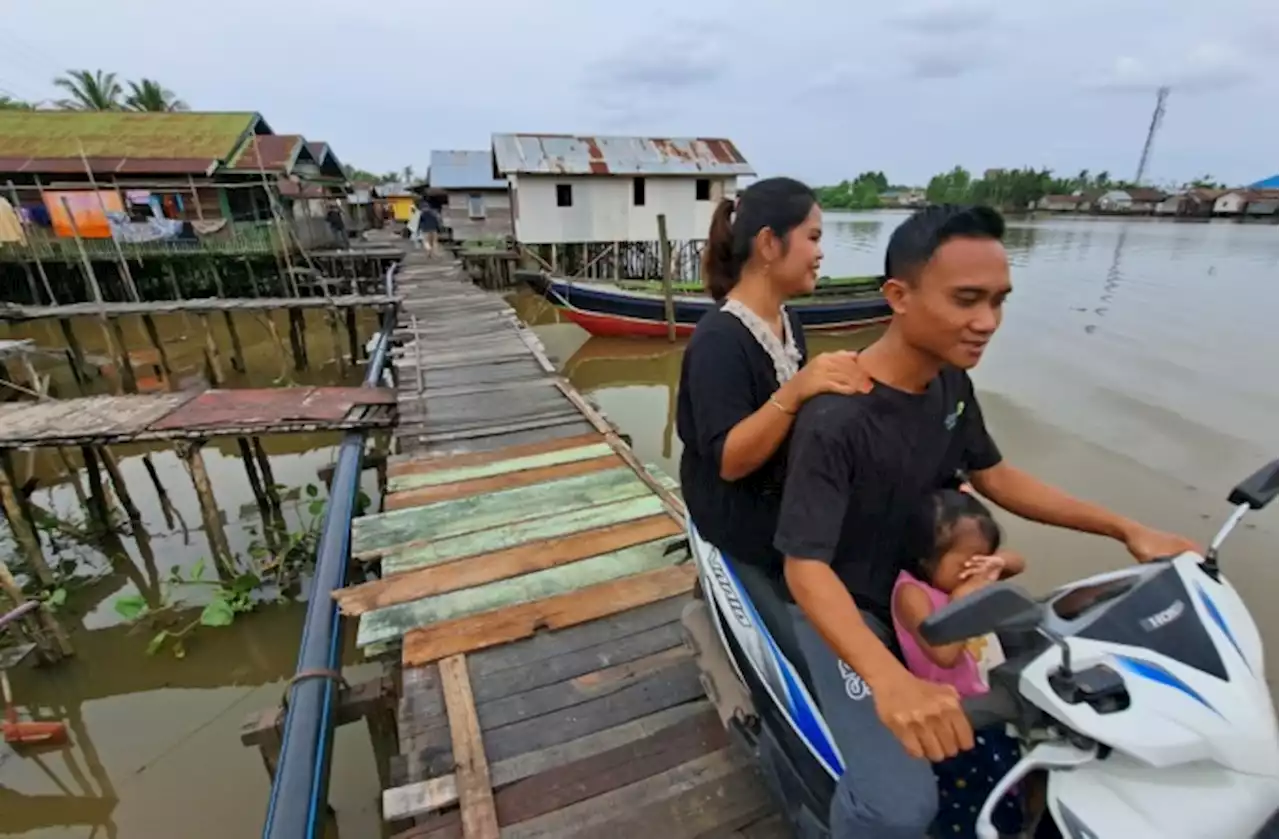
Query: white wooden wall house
x: 590, y: 205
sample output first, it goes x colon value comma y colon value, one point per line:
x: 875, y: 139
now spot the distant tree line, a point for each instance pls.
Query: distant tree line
x: 862, y: 193
x: 1013, y: 189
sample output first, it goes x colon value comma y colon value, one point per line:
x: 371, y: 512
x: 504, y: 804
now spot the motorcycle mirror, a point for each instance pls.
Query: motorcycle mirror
x: 1000, y: 607
x: 1259, y: 489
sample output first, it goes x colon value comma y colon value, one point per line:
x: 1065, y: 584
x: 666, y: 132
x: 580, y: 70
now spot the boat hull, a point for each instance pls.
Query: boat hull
x: 618, y: 313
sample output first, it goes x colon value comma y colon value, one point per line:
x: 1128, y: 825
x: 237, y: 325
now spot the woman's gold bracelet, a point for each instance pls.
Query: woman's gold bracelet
x: 773, y: 400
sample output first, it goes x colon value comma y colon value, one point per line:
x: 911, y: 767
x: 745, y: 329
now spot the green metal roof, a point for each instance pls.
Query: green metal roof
x: 64, y: 134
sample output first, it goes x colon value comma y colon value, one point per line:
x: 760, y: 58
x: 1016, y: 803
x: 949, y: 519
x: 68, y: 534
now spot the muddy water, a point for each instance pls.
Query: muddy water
x: 1137, y: 366
x: 154, y: 747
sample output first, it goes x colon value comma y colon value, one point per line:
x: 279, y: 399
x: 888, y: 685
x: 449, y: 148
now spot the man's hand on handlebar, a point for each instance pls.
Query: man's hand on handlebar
x: 925, y: 717
x: 1146, y: 543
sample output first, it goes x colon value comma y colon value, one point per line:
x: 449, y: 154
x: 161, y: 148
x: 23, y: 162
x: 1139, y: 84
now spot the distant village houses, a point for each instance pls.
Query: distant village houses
x: 477, y: 204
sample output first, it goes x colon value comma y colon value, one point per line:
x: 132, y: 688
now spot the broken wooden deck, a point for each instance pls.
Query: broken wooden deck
x: 106, y: 420
x: 529, y: 586
x: 204, y: 305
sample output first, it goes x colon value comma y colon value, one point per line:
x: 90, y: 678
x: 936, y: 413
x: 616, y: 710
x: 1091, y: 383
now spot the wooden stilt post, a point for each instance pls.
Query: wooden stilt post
x: 664, y: 250
x: 44, y: 277
x: 298, y: 338
x: 73, y: 478
x: 112, y: 466
x: 255, y: 482
x: 125, y: 273
x: 166, y: 369
x: 24, y: 531
x: 99, y: 509
x: 268, y: 478
x: 78, y: 366
x: 237, y: 349
x: 353, y: 336
x: 189, y: 451
x: 166, y: 504
x: 211, y: 351
x: 43, y: 627
x: 123, y: 367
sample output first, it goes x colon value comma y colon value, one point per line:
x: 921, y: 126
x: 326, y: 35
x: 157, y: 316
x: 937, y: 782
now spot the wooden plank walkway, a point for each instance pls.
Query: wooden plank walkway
x: 11, y: 312
x: 531, y: 590
x: 195, y: 414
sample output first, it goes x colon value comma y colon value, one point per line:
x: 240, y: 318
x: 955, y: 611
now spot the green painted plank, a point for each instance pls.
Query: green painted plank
x: 499, y: 538
x: 502, y: 467
x: 392, y: 622
x: 478, y: 512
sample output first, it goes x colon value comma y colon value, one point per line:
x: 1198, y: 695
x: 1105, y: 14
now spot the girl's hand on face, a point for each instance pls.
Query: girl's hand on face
x: 986, y: 568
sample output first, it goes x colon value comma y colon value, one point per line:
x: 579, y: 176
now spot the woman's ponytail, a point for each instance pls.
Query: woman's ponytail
x: 719, y: 273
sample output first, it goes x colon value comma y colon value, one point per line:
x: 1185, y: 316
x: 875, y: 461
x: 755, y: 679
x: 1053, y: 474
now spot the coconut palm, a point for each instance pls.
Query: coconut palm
x: 150, y: 95
x: 96, y: 91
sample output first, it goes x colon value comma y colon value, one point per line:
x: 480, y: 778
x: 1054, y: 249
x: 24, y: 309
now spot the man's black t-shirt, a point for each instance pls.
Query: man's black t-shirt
x: 860, y: 464
x: 726, y: 376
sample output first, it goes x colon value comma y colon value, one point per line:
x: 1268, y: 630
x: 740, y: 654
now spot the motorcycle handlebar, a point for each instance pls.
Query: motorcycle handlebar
x: 995, y: 707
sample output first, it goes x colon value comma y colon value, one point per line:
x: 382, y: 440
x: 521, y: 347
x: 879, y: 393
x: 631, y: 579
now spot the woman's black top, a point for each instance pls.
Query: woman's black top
x: 727, y: 376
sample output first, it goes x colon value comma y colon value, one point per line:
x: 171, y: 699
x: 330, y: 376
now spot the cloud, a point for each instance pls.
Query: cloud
x: 945, y: 17
x: 1207, y: 66
x: 943, y: 63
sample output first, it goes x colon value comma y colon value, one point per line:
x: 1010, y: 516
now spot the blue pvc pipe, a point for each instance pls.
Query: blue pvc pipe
x: 300, y: 789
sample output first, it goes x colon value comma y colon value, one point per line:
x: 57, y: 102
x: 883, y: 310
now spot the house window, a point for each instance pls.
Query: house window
x: 637, y: 191
x: 564, y: 195
x: 702, y: 189
x: 475, y: 205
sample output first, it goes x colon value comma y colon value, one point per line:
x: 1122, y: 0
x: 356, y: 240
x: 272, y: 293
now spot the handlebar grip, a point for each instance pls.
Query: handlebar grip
x: 996, y: 707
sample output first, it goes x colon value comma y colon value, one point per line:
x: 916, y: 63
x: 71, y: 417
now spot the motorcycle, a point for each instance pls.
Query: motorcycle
x: 1139, y: 693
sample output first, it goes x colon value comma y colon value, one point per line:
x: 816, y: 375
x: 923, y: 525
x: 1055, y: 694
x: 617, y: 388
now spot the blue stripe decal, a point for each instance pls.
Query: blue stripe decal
x: 801, y: 710
x: 1156, y: 673
x: 1212, y: 609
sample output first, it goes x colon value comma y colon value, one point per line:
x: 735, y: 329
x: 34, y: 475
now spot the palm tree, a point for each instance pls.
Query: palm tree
x: 96, y: 91
x: 408, y: 175
x: 150, y: 95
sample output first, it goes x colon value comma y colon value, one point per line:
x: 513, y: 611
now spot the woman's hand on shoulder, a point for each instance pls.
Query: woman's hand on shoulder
x: 831, y: 372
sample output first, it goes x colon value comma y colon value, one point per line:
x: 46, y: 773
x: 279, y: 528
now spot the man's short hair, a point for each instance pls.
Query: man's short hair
x: 917, y: 239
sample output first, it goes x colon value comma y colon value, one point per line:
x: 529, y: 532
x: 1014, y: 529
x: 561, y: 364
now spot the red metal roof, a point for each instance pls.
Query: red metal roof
x: 268, y: 152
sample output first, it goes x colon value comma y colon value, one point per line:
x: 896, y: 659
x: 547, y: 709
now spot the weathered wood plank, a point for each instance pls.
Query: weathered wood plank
x: 442, y: 474
x: 715, y: 807
x: 673, y: 685
x: 432, y: 464
x: 548, y: 648
x: 468, y: 515
x: 420, y: 553
x: 393, y: 621
x: 475, y: 796
x: 494, y: 483
x: 422, y: 716
x: 512, y: 562
x: 590, y: 817
x: 487, y: 629
x: 486, y: 428
x: 618, y: 767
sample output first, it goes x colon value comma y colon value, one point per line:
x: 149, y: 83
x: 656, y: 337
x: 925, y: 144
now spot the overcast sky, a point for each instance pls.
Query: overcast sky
x: 817, y: 89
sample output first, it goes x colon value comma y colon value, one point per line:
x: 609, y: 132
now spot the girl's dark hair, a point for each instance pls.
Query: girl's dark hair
x: 780, y: 204
x: 931, y: 531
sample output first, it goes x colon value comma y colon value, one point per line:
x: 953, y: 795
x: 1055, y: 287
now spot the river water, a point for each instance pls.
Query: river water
x: 1136, y: 366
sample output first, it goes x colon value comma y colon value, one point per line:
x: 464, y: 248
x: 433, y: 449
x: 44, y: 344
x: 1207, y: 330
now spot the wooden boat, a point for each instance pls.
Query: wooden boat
x: 606, y: 309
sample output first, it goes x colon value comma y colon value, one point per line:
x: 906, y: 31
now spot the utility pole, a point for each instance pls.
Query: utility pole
x: 1157, y: 116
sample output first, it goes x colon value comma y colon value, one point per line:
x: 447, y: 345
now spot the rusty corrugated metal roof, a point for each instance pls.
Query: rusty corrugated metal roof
x: 564, y: 154
x: 269, y: 152
x: 49, y: 135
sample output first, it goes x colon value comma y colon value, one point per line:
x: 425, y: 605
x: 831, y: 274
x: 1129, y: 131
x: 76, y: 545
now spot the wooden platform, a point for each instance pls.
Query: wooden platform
x: 101, y: 420
x: 530, y: 589
x: 12, y: 312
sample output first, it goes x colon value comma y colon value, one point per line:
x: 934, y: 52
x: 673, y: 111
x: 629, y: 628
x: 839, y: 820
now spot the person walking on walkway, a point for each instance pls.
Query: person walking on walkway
x: 429, y: 227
